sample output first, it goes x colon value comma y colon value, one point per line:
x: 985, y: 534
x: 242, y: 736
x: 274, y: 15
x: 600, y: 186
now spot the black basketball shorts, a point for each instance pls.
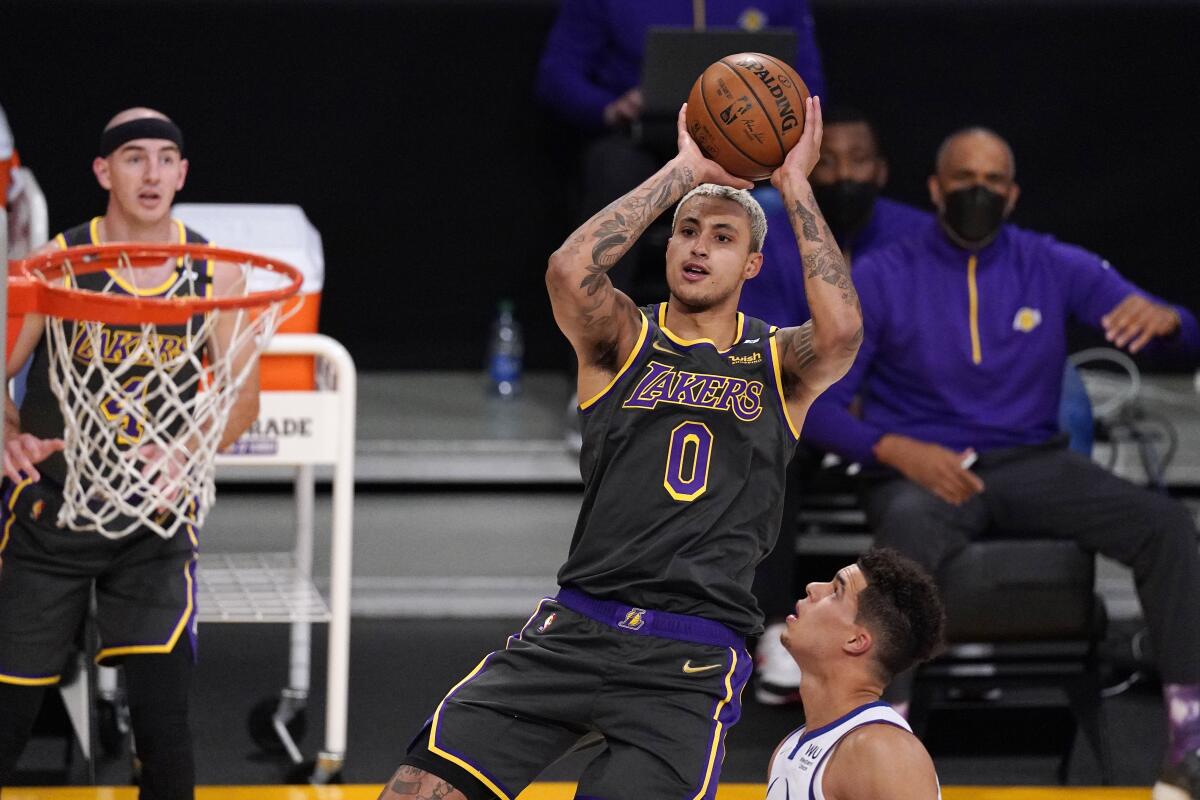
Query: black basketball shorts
x: 663, y: 690
x: 145, y: 588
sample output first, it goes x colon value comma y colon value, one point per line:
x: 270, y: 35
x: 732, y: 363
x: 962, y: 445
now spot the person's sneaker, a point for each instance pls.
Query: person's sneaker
x: 1180, y: 781
x: 776, y: 674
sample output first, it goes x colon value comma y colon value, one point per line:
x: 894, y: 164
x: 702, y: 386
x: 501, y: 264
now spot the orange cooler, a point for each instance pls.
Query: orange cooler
x: 283, y: 232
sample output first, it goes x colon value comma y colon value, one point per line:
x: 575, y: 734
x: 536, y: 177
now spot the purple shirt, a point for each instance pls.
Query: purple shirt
x: 932, y: 369
x: 594, y: 52
x: 776, y: 294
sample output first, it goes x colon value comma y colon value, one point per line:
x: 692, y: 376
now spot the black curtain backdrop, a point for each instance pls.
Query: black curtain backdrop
x: 407, y: 131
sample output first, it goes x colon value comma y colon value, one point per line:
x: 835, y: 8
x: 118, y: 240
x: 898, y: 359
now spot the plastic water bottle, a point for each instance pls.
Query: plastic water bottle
x: 505, y: 350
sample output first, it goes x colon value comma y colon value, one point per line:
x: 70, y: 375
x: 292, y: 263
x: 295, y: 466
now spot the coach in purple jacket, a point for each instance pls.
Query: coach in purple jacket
x: 963, y: 356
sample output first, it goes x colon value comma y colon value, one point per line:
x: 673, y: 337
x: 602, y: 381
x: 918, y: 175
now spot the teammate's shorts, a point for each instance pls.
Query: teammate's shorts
x: 663, y: 690
x: 145, y: 588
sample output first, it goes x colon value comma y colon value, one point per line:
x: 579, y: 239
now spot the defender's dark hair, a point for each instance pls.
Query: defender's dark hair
x: 902, y: 609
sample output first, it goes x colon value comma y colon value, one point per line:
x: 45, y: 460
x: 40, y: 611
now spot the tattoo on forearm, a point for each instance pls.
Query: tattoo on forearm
x: 825, y: 261
x: 808, y: 222
x: 852, y: 345
x: 616, y: 227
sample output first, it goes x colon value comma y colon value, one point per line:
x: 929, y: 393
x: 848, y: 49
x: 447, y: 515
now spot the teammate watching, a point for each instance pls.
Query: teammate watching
x: 850, y: 636
x: 144, y: 583
x: 691, y: 416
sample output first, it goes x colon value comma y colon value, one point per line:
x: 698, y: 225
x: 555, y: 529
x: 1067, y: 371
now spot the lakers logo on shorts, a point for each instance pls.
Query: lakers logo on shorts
x: 35, y: 511
x: 635, y: 618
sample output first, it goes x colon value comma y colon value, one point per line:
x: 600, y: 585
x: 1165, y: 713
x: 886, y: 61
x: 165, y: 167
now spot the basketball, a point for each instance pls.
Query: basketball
x: 746, y: 112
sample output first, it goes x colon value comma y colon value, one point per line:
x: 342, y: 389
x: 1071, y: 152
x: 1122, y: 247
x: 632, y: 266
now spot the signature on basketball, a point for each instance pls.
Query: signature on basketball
x: 775, y: 85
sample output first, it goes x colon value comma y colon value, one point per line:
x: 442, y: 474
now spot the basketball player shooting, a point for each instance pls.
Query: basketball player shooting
x: 849, y: 636
x: 144, y: 582
x: 691, y: 414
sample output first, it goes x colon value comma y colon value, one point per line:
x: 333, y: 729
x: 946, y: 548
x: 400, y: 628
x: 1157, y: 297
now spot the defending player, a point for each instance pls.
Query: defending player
x: 875, y: 619
x: 690, y: 416
x: 144, y: 583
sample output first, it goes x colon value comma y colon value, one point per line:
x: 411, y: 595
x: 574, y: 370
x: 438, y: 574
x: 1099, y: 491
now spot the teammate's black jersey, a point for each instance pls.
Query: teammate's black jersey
x: 40, y: 413
x: 683, y: 462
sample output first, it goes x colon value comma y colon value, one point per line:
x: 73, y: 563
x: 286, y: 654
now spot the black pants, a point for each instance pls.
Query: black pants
x: 1049, y: 491
x: 158, y: 687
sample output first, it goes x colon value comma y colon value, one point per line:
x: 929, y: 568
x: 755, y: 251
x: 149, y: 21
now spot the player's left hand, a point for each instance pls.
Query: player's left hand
x: 1136, y: 320
x: 23, y: 450
x: 805, y: 154
x: 706, y: 170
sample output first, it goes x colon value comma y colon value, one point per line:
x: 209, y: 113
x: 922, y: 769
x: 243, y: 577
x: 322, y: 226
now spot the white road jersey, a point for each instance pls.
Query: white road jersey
x: 799, y: 766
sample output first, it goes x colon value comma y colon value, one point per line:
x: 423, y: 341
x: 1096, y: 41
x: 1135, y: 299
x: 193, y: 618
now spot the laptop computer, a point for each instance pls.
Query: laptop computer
x: 675, y: 57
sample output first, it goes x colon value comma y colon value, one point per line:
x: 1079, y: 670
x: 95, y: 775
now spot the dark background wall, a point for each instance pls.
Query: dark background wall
x: 406, y: 130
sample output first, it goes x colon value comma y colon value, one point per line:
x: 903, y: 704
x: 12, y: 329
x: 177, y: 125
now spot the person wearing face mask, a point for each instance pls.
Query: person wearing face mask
x: 962, y: 362
x: 847, y: 181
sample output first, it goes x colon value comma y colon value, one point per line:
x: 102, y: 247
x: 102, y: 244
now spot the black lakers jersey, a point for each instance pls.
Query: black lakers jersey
x: 40, y: 413
x: 684, y: 460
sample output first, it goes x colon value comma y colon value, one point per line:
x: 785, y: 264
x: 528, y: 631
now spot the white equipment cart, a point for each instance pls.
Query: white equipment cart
x: 299, y: 428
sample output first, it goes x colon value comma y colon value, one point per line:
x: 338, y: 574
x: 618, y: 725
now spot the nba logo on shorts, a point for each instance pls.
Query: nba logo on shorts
x: 549, y: 621
x: 635, y: 618
x: 36, y: 509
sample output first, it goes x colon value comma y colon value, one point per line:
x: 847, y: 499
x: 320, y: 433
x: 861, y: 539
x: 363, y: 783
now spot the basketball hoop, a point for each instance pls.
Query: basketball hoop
x: 148, y: 347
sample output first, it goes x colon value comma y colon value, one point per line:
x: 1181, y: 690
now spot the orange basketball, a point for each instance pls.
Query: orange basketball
x: 746, y: 111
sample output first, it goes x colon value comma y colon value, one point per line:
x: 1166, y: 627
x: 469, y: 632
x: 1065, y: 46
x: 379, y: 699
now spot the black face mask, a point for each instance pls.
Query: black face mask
x: 974, y: 214
x: 846, y: 205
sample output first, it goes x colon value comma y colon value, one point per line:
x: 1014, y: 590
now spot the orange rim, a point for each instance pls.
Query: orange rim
x: 30, y: 289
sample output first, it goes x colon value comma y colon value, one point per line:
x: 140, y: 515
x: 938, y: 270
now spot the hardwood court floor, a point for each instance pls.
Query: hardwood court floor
x: 561, y: 791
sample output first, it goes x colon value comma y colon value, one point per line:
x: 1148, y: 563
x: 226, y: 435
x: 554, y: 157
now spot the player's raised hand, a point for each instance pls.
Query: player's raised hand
x: 706, y: 170
x: 24, y: 450
x: 807, y: 152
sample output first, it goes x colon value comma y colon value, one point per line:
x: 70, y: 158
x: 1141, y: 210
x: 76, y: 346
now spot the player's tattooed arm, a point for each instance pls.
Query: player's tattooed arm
x: 594, y: 315
x: 819, y: 352
x: 413, y: 783
x: 601, y: 322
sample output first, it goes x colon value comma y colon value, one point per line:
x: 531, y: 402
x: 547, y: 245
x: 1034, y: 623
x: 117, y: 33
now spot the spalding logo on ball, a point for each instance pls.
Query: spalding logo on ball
x: 746, y: 112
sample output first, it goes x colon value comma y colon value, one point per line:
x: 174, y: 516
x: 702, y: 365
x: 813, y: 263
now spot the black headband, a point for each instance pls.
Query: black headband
x: 145, y: 128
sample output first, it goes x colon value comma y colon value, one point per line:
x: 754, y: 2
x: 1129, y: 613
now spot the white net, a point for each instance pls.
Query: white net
x: 144, y: 405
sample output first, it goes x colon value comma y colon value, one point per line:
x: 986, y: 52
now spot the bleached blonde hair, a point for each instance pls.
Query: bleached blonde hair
x: 758, y: 219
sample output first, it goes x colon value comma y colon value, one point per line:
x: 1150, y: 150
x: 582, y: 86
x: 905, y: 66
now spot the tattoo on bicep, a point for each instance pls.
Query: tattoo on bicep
x: 800, y: 352
x: 599, y: 292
